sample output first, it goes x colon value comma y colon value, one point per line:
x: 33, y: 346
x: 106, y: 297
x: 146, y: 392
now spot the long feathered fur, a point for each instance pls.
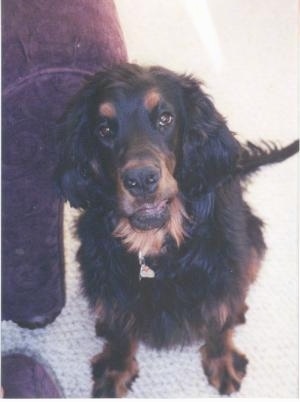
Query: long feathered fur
x: 201, y: 281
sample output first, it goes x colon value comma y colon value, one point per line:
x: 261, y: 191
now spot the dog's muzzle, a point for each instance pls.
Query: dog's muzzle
x: 147, y: 188
x: 142, y: 183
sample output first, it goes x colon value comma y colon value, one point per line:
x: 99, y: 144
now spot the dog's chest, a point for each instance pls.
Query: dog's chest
x: 166, y: 308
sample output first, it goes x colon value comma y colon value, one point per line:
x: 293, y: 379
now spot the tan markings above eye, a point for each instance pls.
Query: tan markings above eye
x: 108, y: 110
x: 151, y: 99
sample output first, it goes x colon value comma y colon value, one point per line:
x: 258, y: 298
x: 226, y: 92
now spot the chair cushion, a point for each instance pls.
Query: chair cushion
x: 24, y: 377
x: 49, y: 49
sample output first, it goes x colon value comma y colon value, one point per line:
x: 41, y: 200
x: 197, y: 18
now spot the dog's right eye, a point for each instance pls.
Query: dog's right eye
x: 165, y: 120
x: 104, y: 130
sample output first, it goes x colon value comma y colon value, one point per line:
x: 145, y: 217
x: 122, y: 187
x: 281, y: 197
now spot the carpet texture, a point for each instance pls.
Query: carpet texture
x: 269, y: 338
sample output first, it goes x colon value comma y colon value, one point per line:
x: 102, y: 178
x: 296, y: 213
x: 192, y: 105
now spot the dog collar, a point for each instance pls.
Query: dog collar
x: 145, y: 271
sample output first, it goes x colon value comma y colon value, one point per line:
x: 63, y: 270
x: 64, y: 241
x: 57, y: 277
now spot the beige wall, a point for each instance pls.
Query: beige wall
x: 244, y: 50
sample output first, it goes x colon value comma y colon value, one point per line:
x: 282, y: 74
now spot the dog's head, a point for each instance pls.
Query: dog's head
x: 134, y: 140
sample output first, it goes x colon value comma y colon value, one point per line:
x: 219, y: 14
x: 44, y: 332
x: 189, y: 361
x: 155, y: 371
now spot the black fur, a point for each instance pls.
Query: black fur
x: 211, y: 269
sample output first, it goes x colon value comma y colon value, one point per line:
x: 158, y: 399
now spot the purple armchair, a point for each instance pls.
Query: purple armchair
x: 49, y: 47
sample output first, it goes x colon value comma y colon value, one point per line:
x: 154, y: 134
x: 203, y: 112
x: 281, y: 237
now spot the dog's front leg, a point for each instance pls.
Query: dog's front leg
x: 223, y: 364
x: 115, y: 368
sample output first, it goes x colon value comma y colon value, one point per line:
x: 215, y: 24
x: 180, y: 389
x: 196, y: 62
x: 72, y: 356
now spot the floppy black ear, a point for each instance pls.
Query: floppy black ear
x: 210, y: 150
x: 78, y: 182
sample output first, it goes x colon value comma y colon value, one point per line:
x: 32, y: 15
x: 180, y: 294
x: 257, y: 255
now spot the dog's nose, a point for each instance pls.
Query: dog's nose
x: 141, y: 181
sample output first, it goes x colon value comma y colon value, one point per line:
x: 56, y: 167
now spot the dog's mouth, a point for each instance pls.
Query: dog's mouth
x: 144, y: 230
x: 150, y: 216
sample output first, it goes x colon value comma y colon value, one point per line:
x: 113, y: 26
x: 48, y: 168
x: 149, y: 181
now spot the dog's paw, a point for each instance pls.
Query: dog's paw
x: 111, y: 381
x: 225, y: 372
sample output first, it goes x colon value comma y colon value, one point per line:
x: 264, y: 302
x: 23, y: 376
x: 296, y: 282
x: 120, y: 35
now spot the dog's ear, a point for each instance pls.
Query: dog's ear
x: 78, y: 180
x: 210, y: 150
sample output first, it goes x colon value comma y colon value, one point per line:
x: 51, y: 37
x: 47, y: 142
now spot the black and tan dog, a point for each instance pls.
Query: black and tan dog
x: 169, y: 247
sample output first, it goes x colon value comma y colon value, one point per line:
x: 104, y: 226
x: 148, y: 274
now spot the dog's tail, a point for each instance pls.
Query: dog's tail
x: 254, y: 156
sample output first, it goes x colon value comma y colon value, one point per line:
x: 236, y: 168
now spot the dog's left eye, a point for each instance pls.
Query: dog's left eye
x: 165, y: 120
x: 105, y: 130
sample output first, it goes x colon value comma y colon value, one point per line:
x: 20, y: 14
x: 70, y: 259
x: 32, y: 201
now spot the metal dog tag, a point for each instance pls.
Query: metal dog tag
x: 145, y: 271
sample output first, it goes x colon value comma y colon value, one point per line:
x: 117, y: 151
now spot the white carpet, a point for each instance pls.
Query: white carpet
x: 269, y: 338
